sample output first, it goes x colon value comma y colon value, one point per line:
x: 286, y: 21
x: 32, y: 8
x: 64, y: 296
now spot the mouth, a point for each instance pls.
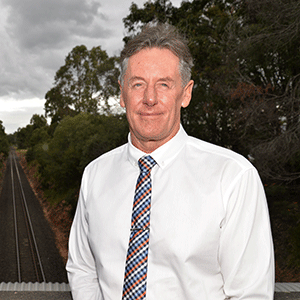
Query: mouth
x: 150, y: 114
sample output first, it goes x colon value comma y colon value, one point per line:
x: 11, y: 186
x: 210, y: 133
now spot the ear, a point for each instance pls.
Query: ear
x: 122, y: 103
x: 187, y: 94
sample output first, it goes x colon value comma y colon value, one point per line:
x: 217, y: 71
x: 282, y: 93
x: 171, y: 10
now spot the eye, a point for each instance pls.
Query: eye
x: 164, y: 85
x: 137, y: 85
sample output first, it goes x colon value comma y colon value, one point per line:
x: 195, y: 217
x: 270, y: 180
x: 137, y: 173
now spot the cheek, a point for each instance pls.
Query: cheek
x: 132, y: 100
x: 124, y: 101
x: 177, y: 106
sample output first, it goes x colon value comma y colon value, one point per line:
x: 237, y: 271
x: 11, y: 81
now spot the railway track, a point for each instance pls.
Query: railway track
x: 28, y: 260
x: 27, y: 252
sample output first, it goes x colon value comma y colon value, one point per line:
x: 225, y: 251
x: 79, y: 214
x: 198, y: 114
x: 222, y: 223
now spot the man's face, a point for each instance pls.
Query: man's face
x: 153, y: 96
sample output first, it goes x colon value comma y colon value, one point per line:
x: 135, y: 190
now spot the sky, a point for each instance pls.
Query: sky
x: 37, y: 35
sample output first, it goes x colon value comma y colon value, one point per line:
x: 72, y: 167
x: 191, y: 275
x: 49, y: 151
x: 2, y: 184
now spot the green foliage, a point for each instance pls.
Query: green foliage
x: 263, y: 37
x: 160, y: 10
x: 204, y: 23
x: 28, y: 136
x: 38, y: 142
x: 22, y: 136
x: 271, y: 26
x: 209, y: 115
x: 88, y: 77
x: 76, y: 141
x: 246, y: 73
x: 4, y: 142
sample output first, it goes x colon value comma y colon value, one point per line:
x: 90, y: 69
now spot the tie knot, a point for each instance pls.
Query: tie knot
x: 146, y: 163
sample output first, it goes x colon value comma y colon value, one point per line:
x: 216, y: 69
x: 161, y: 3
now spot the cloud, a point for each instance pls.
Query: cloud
x: 47, y: 24
x: 37, y: 35
x: 20, y: 74
x: 17, y: 117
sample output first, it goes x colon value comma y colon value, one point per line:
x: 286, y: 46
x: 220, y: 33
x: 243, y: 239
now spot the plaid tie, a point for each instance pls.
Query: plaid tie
x: 134, y: 287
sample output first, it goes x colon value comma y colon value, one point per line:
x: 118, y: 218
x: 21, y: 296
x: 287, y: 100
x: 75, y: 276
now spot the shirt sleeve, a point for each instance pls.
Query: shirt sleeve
x: 246, y: 249
x: 81, y: 267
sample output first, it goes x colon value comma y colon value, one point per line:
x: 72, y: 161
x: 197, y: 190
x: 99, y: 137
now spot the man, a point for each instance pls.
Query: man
x: 208, y: 234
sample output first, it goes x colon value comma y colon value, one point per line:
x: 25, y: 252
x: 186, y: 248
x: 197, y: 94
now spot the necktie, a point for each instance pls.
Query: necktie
x: 135, y: 279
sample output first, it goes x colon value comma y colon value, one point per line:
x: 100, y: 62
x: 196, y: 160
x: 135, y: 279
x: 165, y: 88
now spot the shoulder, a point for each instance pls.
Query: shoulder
x: 222, y: 167
x: 218, y: 155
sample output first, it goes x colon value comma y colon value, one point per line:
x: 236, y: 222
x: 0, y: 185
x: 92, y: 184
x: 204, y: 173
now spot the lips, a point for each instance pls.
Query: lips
x: 150, y: 114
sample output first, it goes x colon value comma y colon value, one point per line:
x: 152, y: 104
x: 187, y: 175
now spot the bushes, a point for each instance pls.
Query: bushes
x: 4, y: 148
x: 76, y: 141
x: 2, y: 160
x: 4, y: 144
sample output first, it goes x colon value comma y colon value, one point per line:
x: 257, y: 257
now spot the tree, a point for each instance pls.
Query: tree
x: 24, y: 135
x: 159, y: 10
x: 264, y: 40
x: 4, y: 144
x: 77, y: 141
x: 38, y: 121
x: 203, y: 22
x: 246, y: 73
x: 88, y: 77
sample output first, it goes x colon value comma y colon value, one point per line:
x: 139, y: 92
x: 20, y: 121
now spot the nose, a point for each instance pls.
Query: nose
x: 150, y: 97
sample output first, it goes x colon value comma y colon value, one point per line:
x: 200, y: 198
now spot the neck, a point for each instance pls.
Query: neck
x: 149, y: 145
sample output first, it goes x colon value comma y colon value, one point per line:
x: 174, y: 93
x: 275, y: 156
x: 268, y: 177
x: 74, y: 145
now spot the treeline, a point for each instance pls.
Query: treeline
x: 84, y: 123
x: 246, y: 95
x: 62, y: 153
x: 4, y: 141
x: 4, y: 147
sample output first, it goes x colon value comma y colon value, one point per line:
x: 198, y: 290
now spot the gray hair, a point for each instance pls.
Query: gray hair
x: 163, y: 36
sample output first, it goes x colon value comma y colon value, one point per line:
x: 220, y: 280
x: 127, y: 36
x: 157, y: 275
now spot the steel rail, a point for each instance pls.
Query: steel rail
x: 15, y: 218
x: 29, y: 222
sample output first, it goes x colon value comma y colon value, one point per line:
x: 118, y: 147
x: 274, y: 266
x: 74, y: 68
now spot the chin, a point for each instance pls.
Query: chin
x: 151, y: 134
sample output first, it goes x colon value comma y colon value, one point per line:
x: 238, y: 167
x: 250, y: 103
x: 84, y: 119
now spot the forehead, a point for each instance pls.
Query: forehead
x: 153, y: 61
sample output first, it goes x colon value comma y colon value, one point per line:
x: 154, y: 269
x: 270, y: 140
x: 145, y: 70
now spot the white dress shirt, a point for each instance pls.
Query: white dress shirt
x: 210, y: 235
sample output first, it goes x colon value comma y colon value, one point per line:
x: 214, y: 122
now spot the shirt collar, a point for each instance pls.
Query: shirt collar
x: 162, y: 155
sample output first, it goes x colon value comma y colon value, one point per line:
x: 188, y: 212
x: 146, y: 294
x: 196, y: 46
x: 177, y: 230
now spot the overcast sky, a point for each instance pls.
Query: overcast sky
x: 37, y: 35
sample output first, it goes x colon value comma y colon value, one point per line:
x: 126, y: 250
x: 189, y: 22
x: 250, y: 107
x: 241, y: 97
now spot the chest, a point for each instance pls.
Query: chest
x: 185, y: 217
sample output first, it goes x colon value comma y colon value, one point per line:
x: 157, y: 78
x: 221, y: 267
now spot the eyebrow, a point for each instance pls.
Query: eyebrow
x: 141, y: 78
x: 135, y: 78
x: 166, y: 79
